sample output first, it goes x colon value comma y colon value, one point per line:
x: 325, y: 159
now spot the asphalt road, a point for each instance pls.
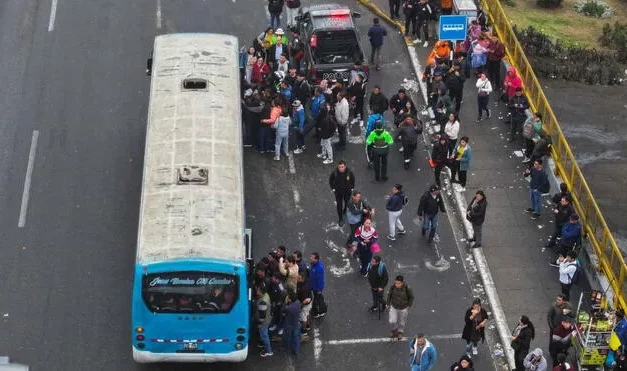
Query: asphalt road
x: 78, y: 83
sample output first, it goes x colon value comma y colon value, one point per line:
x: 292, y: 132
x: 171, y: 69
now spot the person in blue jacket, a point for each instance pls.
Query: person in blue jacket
x: 621, y: 328
x: 316, y: 102
x: 298, y: 121
x: 422, y: 354
x: 316, y: 276
x: 372, y: 120
x: 571, y: 233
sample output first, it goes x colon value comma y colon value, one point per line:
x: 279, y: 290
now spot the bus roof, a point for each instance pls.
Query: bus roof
x: 192, y: 192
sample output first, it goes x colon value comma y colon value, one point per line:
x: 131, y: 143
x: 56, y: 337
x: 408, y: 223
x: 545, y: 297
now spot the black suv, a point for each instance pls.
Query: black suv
x: 332, y: 44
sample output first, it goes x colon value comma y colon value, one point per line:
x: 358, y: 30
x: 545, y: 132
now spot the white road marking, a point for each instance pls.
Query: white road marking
x: 28, y: 178
x: 388, y: 340
x: 317, y: 345
x: 159, y: 18
x: 53, y: 15
x: 290, y: 161
x: 338, y: 271
x: 296, y: 196
x: 441, y: 264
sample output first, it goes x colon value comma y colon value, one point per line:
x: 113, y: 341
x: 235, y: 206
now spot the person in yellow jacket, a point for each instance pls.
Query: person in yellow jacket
x: 379, y: 141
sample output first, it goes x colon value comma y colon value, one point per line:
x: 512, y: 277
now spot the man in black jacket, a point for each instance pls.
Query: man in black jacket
x: 517, y: 105
x: 342, y: 182
x: 455, y: 84
x: 378, y: 279
x: 398, y: 101
x: 378, y: 102
x: 430, y: 203
x: 439, y: 156
x: 410, y: 128
x: 301, y: 89
x: 562, y: 211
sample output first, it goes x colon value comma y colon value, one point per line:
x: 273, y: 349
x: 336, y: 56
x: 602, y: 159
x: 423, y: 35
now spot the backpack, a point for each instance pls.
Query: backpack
x: 546, y: 186
x: 574, y: 280
x: 405, y: 200
x: 528, y: 130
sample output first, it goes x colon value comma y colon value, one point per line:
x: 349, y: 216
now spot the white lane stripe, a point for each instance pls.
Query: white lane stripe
x: 159, y: 21
x: 317, y: 345
x: 388, y: 340
x: 53, y: 15
x: 28, y: 178
x: 290, y: 161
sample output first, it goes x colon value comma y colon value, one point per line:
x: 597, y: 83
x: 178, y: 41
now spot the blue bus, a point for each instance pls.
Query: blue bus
x: 191, y: 300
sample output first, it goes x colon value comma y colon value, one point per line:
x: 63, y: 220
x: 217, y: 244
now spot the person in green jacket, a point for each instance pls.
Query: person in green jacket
x: 379, y: 141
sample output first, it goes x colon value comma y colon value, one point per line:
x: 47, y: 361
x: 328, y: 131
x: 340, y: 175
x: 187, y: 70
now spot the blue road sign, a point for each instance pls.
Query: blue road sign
x: 453, y: 27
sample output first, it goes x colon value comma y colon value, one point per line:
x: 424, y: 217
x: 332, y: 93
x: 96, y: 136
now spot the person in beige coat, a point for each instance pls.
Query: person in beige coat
x: 289, y: 269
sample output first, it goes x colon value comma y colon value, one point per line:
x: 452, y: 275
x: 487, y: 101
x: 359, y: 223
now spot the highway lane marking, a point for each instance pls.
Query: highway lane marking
x: 159, y: 15
x: 290, y: 161
x: 53, y: 15
x: 27, y: 179
x: 388, y: 340
x: 317, y: 345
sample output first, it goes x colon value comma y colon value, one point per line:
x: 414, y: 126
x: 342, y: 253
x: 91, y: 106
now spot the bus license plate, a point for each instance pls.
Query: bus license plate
x: 190, y: 346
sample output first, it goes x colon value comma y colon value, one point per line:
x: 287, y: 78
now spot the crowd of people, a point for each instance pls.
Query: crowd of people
x: 280, y: 103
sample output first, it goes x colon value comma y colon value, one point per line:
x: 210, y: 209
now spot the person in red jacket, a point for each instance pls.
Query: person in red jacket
x: 260, y: 71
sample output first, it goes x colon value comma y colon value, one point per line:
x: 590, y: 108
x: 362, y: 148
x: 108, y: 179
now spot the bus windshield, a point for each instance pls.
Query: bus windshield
x: 190, y: 292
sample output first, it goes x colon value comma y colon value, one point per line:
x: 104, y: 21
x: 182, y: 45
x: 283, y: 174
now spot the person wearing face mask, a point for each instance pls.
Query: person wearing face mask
x: 474, y: 329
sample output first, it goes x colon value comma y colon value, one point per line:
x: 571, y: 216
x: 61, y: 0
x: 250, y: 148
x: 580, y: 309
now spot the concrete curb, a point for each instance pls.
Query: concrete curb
x: 478, y: 255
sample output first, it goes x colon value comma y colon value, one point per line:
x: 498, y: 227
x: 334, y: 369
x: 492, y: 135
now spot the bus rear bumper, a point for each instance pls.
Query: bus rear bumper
x: 143, y: 356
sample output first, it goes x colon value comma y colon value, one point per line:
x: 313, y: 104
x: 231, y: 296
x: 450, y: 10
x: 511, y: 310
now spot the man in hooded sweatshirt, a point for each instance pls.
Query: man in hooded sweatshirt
x: 535, y: 361
x: 378, y: 279
x: 422, y: 354
x: 394, y: 207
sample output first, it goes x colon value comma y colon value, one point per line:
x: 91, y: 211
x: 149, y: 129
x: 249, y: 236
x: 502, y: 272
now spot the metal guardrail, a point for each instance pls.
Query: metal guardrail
x: 611, y: 261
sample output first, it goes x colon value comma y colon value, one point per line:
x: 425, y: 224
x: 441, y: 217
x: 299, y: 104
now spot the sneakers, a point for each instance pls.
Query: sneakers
x: 527, y: 159
x: 391, y: 238
x: 478, y: 119
x: 399, y: 335
x: 489, y: 113
x: 327, y: 161
x: 266, y: 354
x: 401, y: 231
x: 401, y: 150
x: 277, y: 158
x: 280, y: 333
x: 374, y: 308
x: 321, y: 155
x: 417, y: 41
x: 298, y: 151
x: 529, y: 210
x: 340, y: 222
x: 535, y: 216
x: 475, y: 351
x: 272, y: 328
x: 320, y: 315
x: 425, y: 44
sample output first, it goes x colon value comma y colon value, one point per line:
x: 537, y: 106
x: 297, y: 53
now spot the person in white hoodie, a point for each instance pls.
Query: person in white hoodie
x: 342, y: 110
x: 535, y: 361
x: 484, y: 88
x: 282, y: 127
x: 451, y: 129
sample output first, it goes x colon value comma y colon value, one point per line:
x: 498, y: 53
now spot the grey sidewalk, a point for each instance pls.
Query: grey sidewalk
x: 513, y: 243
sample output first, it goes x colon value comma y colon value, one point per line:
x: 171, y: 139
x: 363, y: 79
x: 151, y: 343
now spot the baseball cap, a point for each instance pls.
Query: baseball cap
x: 279, y: 31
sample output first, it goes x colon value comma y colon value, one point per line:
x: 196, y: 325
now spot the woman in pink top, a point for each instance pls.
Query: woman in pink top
x: 512, y: 82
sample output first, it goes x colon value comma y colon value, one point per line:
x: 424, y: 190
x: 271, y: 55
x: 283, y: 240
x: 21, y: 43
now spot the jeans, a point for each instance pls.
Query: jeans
x: 341, y: 200
x: 451, y: 145
x: 375, y: 54
x: 557, y: 233
x: 482, y: 102
x: 281, y: 140
x: 430, y: 222
x: 394, y: 222
x: 463, y: 174
x: 265, y: 337
x: 516, y: 121
x: 275, y: 20
x: 395, y: 6
x: 291, y: 14
x: 380, y: 165
x: 529, y: 146
x: 422, y: 24
x: 494, y: 74
x: 438, y: 169
x: 263, y: 137
x: 300, y: 138
x: 458, y: 96
x: 327, y: 148
x: 291, y: 339
x: 408, y: 153
x: 566, y: 290
x: 470, y: 345
x: 377, y: 299
x: 478, y: 229
x: 398, y: 319
x: 365, y: 256
x: 536, y: 201
x: 341, y: 130
x: 410, y: 24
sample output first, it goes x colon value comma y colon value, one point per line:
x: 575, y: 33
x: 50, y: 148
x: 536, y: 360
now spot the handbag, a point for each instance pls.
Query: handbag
x: 375, y: 248
x: 614, y: 342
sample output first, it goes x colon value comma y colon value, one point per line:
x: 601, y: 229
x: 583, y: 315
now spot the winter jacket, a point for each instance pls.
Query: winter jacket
x: 563, y: 214
x: 263, y: 315
x: 275, y: 113
x: 496, y: 51
x: 316, y: 103
x: 275, y: 6
x: 380, y: 140
x: 541, y: 148
x: 514, y: 80
x: 342, y: 112
x: 378, y: 103
x: 451, y: 129
x: 476, y: 211
x: 301, y: 91
x: 439, y: 152
x: 291, y: 315
x: 378, y: 276
x: 430, y: 205
x: 372, y: 120
x: 287, y: 93
x: 395, y: 202
x: 423, y: 11
x: 518, y: 105
x: 409, y: 7
x: 445, y: 104
x: 464, y: 161
x: 259, y: 73
x: 324, y: 126
x: 303, y: 290
x: 571, y: 232
x: 282, y: 125
x: 342, y: 182
x: 428, y: 356
x: 408, y: 133
x: 357, y: 90
x: 355, y: 212
x: 299, y: 117
x: 362, y: 234
x: 316, y: 276
x: 470, y: 332
x: 400, y: 298
x: 484, y: 87
x: 290, y: 274
x: 555, y: 314
x: 376, y: 34
x: 538, y: 179
x: 455, y: 82
x: 397, y: 104
x: 523, y: 341
x: 277, y: 293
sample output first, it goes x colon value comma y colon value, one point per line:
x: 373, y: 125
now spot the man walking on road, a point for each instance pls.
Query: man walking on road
x: 430, y: 203
x: 380, y: 141
x: 342, y: 182
x: 378, y: 102
x: 378, y: 279
x: 394, y: 207
x: 422, y: 354
x: 376, y: 34
x: 400, y: 299
x: 539, y: 183
x: 316, y: 275
x: 342, y: 111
